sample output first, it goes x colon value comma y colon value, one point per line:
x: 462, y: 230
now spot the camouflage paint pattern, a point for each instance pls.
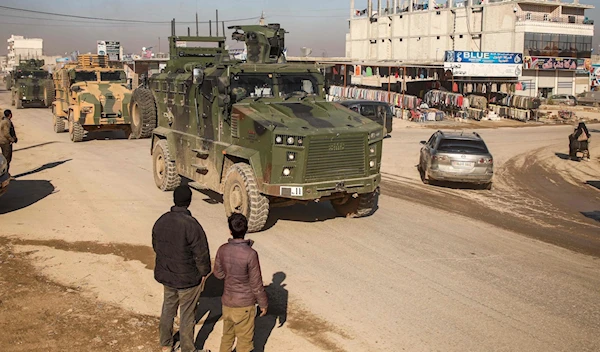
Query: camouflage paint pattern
x: 338, y: 145
x: 92, y: 103
x: 28, y: 82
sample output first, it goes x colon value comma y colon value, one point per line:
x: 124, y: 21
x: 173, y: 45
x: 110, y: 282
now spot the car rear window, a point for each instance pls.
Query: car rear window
x: 462, y: 146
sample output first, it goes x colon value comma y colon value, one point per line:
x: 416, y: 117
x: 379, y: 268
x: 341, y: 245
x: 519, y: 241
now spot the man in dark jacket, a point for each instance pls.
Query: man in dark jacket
x: 238, y: 264
x: 182, y: 263
x: 7, y: 136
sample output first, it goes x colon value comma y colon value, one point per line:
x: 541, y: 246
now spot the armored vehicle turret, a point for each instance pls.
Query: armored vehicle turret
x: 30, y: 84
x: 261, y: 132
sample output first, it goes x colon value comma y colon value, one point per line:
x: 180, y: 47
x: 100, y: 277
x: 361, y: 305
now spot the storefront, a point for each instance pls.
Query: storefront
x: 555, y: 75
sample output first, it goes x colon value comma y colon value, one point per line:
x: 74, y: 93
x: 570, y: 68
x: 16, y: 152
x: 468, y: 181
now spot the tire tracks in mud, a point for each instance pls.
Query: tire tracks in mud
x: 527, y: 198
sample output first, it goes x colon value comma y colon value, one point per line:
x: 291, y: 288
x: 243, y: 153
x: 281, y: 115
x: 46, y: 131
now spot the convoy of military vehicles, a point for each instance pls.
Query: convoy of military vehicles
x: 259, y: 132
x: 29, y: 84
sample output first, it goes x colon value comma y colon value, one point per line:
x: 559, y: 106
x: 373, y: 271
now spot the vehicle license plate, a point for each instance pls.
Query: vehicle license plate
x: 291, y: 191
x: 463, y: 164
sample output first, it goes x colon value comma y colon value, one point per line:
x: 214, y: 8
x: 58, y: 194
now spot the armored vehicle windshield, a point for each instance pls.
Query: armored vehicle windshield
x: 113, y: 76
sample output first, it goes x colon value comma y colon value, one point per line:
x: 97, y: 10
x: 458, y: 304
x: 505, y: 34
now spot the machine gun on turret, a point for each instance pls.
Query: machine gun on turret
x: 265, y: 44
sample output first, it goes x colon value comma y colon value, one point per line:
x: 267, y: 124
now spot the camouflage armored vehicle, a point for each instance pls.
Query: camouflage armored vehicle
x: 261, y: 132
x: 30, y: 84
x: 90, y: 96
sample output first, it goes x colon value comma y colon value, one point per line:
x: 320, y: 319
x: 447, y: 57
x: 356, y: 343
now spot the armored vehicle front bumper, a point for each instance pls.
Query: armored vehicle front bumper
x: 318, y: 190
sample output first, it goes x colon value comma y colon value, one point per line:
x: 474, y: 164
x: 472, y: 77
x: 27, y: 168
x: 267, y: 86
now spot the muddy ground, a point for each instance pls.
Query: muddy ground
x: 37, y: 314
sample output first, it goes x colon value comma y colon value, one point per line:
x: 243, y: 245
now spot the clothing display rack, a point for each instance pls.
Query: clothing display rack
x: 444, y: 100
x: 400, y: 100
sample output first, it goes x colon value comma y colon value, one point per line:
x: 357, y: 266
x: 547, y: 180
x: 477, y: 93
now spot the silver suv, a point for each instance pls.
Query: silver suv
x: 456, y: 157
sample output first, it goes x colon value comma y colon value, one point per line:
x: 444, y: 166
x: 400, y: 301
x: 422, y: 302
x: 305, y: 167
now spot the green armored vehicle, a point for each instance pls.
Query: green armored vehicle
x: 260, y: 132
x: 29, y: 84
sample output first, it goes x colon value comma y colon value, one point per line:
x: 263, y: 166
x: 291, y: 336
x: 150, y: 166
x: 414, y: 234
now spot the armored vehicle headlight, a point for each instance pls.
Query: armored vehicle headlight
x: 372, y: 150
x: 290, y: 140
x: 278, y: 139
x: 300, y: 141
x: 291, y: 156
x: 86, y: 109
x: 372, y: 135
x: 372, y: 164
x: 287, y: 171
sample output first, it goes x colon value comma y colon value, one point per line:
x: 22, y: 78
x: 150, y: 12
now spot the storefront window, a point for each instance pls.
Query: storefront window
x: 558, y: 45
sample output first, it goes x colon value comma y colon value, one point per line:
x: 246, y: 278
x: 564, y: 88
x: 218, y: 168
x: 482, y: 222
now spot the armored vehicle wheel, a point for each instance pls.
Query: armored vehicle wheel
x: 241, y: 195
x: 49, y: 94
x: 143, y: 114
x: 76, y: 131
x: 165, y: 173
x: 363, y: 205
x: 59, y: 124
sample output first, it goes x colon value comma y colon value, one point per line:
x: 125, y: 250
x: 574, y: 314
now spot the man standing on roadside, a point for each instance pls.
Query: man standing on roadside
x: 7, y: 137
x: 238, y: 264
x: 182, y: 264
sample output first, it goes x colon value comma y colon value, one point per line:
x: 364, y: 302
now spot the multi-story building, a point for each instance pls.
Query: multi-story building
x: 554, y: 37
x: 21, y: 48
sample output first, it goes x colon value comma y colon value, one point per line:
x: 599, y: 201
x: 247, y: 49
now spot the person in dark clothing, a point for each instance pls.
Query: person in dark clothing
x: 8, y: 137
x: 238, y: 264
x: 182, y: 264
x: 579, y: 142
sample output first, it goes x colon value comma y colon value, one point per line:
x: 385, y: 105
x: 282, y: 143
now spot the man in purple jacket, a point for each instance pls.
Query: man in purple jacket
x: 238, y: 264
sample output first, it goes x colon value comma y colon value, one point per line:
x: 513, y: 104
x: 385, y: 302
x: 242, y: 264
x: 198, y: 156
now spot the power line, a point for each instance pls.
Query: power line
x: 116, y: 20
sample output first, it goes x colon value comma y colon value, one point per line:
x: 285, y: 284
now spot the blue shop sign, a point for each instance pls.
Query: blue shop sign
x: 481, y: 57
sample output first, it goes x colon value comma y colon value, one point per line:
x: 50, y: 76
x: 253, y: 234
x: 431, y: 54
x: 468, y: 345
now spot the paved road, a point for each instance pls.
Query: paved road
x: 411, y: 277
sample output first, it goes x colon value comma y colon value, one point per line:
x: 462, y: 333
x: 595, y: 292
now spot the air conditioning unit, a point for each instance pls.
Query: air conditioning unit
x: 571, y: 19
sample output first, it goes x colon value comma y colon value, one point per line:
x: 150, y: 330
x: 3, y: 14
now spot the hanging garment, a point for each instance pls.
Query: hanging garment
x: 369, y: 72
x: 455, y: 87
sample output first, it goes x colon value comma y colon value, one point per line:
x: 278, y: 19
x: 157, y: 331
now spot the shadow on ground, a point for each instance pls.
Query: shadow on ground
x: 276, y: 313
x: 209, y: 302
x: 594, y: 184
x: 594, y: 215
x: 563, y: 156
x: 34, y: 146
x: 104, y: 135
x: 42, y: 168
x: 310, y: 213
x: 23, y: 193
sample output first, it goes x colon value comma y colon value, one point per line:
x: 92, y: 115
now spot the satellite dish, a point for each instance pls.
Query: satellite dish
x: 305, y: 51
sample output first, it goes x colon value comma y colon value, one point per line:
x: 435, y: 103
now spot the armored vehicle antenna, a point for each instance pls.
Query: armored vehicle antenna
x: 184, y: 59
x: 265, y: 43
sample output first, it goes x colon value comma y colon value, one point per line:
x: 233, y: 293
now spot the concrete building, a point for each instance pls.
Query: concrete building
x: 23, y: 48
x: 554, y: 37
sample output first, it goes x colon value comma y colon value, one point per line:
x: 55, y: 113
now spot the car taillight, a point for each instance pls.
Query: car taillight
x: 486, y: 161
x: 439, y: 158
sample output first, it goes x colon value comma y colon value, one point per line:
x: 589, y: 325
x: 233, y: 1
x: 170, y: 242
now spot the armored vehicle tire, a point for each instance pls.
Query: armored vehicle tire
x: 143, y: 114
x: 361, y: 206
x: 59, y: 124
x: 76, y: 131
x: 165, y: 173
x: 241, y: 195
x: 49, y: 94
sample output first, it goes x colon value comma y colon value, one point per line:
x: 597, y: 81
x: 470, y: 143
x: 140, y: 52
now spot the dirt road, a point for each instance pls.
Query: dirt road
x: 411, y: 277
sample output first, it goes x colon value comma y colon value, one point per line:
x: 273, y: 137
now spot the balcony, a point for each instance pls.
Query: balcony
x: 535, y: 17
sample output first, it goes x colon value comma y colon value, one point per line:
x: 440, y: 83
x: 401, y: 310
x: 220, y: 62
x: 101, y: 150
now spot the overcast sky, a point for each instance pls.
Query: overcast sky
x: 320, y: 25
